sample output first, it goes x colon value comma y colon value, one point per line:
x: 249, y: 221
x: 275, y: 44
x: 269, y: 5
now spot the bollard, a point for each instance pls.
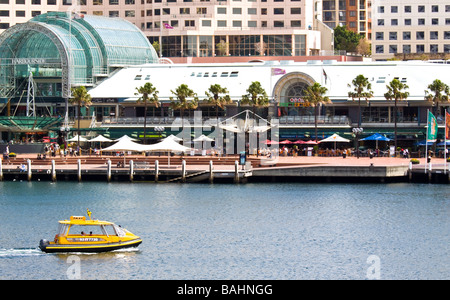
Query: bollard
x: 108, y: 170
x: 29, y: 169
x: 410, y: 171
x: 53, y: 171
x: 79, y: 170
x: 236, y: 172
x: 1, y: 170
x: 211, y: 173
x: 156, y: 170
x: 183, y: 171
x: 131, y: 170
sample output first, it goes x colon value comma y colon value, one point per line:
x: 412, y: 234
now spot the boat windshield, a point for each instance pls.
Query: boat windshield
x: 120, y: 231
x: 62, y: 229
x: 87, y: 230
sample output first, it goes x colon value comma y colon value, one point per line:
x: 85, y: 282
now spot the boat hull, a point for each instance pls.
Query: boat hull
x: 47, y: 247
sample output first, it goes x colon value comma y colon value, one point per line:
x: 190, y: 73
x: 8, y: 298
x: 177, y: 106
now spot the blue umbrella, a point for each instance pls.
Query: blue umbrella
x: 442, y: 143
x: 422, y: 143
x: 376, y: 137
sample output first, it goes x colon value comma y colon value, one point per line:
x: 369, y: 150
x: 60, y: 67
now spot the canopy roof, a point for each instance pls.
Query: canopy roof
x: 125, y: 144
x: 335, y: 138
x: 166, y: 145
x: 376, y: 137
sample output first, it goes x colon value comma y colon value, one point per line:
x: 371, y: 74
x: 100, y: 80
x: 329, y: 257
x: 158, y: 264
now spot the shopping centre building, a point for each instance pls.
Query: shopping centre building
x: 112, y: 57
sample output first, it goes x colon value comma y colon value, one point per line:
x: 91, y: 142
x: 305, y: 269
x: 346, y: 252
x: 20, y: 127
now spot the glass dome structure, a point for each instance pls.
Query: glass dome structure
x: 64, y: 49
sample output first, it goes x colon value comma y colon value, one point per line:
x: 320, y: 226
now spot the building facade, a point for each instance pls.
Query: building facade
x: 202, y: 28
x: 411, y: 28
x: 354, y: 14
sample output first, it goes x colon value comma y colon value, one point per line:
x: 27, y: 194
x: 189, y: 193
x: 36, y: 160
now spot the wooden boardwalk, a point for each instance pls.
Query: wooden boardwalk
x: 208, y: 168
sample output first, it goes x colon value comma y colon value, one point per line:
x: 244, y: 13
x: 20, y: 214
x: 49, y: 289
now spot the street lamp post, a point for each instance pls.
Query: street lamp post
x: 357, y: 131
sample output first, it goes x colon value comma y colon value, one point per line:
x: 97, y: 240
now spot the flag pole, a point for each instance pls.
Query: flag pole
x: 426, y: 140
x: 445, y: 142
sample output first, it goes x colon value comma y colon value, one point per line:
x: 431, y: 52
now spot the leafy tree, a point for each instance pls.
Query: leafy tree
x: 214, y: 97
x: 396, y: 92
x: 150, y: 95
x: 314, y: 95
x: 256, y: 96
x: 81, y: 98
x: 345, y: 39
x: 183, y: 93
x: 440, y: 94
x: 361, y: 89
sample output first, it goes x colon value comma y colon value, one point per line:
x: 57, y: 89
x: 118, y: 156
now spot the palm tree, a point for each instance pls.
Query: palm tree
x: 149, y: 94
x: 396, y: 92
x: 80, y: 97
x: 214, y: 97
x: 256, y: 96
x: 314, y: 95
x: 441, y: 94
x: 362, y: 89
x: 183, y: 92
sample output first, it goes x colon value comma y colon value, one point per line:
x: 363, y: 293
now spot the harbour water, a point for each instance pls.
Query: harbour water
x: 227, y: 231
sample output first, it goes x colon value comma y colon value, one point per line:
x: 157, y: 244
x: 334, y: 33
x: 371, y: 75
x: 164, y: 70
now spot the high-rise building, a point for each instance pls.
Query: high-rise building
x: 202, y: 28
x: 408, y: 28
x: 354, y: 14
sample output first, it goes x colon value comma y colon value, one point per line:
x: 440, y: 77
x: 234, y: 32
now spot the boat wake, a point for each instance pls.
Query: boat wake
x: 19, y: 252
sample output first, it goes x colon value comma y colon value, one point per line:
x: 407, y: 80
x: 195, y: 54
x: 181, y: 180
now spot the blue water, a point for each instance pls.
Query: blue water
x: 227, y: 231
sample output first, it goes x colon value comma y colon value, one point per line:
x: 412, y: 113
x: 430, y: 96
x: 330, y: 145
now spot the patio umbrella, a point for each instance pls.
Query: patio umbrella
x: 125, y: 137
x: 376, y: 137
x: 335, y: 138
x: 286, y: 142
x: 299, y: 142
x: 173, y: 137
x: 75, y: 139
x: 203, y: 138
x: 167, y: 145
x: 100, y: 138
x: 269, y: 142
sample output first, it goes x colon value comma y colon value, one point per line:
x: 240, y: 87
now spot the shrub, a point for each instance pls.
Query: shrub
x: 414, y: 161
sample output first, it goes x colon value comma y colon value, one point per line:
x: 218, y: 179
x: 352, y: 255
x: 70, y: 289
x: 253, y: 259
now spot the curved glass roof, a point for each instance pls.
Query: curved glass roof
x: 88, y: 45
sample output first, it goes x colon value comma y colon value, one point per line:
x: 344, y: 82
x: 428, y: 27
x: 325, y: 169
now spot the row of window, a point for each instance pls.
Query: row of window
x: 215, y: 74
x: 219, y: 23
x: 408, y: 22
x: 408, y: 9
x: 407, y: 49
x: 406, y: 35
x: 127, y: 2
x: 221, y: 11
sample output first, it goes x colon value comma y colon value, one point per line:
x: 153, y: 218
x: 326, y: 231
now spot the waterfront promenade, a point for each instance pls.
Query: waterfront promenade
x: 188, y: 168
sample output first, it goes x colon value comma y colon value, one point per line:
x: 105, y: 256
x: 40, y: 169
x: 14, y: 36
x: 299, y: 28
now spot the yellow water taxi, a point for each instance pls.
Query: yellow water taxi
x: 82, y: 235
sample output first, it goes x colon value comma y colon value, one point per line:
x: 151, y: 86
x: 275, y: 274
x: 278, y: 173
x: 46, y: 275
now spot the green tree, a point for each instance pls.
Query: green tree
x: 396, y: 92
x: 217, y: 96
x: 256, y: 96
x: 345, y: 39
x: 148, y: 94
x: 186, y: 99
x: 361, y: 89
x: 314, y: 95
x: 437, y: 92
x: 81, y: 98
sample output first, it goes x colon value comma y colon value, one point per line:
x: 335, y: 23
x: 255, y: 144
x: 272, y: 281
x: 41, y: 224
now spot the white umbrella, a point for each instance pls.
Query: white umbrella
x: 203, y: 138
x: 335, y: 138
x: 167, y: 145
x: 100, y: 138
x: 75, y: 139
x: 126, y: 137
x: 125, y: 145
x: 172, y: 137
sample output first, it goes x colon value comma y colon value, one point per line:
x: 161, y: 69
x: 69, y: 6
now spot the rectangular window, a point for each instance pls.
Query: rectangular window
x: 113, y: 2
x: 185, y: 11
x: 221, y: 23
x: 206, y: 23
x: 434, y: 35
x: 296, y: 10
x: 406, y: 49
x: 251, y: 24
x: 237, y: 23
x: 237, y: 11
x: 296, y: 23
x: 20, y: 13
x: 379, y: 49
x: 251, y: 11
x: 446, y: 35
x: 407, y: 35
x: 393, y: 35
x: 420, y: 48
x: 421, y: 8
x: 434, y: 8
x: 51, y: 2
x: 278, y: 11
x: 393, y: 49
x: 221, y: 10
x: 114, y: 13
x: 379, y: 36
x: 201, y: 11
x: 420, y: 35
x: 407, y: 8
x: 278, y: 24
x: 407, y: 22
x: 434, y: 48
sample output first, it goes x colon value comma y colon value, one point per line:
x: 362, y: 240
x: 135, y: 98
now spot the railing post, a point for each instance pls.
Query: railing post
x: 29, y: 169
x: 183, y: 170
x: 131, y: 170
x: 156, y: 170
x: 211, y: 173
x: 53, y: 171
x: 79, y: 169
x: 108, y: 170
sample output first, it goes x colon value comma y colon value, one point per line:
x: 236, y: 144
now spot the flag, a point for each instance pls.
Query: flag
x: 89, y: 213
x: 325, y: 75
x: 447, y: 126
x: 278, y: 71
x: 167, y: 26
x: 432, y: 129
